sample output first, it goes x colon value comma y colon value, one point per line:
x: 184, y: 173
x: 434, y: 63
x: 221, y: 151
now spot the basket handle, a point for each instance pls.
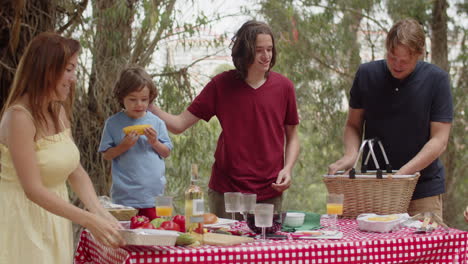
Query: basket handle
x: 370, y: 143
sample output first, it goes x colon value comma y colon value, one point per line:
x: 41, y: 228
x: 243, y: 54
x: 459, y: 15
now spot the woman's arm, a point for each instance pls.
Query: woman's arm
x: 20, y: 141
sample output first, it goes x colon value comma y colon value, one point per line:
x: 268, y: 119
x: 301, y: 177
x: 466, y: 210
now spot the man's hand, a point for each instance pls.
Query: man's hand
x: 345, y: 163
x: 283, y: 181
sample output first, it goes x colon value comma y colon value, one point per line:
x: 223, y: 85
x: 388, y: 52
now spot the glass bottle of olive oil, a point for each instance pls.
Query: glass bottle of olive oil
x: 194, y: 204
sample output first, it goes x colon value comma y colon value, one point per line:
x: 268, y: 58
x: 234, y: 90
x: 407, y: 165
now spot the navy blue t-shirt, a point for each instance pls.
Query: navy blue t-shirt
x: 399, y: 113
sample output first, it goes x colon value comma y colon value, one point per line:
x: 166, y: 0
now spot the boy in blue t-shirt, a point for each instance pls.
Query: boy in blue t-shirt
x: 138, y: 167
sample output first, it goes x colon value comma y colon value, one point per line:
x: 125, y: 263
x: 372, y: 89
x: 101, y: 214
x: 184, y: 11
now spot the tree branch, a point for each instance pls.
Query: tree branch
x: 79, y: 11
x: 184, y: 69
x: 358, y: 12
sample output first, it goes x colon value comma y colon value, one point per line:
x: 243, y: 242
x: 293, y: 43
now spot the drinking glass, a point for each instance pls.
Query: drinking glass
x: 263, y: 217
x: 232, y: 202
x: 334, y: 208
x: 164, y: 206
x: 248, y: 201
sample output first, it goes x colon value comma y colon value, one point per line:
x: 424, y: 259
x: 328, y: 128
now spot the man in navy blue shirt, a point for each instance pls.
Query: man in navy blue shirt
x: 407, y: 104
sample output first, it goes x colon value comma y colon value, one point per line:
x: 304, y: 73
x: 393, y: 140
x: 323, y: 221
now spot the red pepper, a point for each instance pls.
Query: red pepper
x: 170, y: 225
x: 138, y: 220
x: 180, y: 220
x: 199, y: 229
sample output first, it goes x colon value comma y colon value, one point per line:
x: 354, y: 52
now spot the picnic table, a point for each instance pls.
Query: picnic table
x: 402, y: 246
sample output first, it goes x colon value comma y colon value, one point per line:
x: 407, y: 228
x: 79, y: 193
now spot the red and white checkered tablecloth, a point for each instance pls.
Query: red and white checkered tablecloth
x: 355, y: 247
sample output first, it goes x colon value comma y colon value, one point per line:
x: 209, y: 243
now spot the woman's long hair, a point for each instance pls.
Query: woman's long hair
x: 39, y: 71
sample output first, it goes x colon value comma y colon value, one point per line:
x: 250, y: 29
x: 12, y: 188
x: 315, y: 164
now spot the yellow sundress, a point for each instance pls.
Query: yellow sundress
x: 29, y: 233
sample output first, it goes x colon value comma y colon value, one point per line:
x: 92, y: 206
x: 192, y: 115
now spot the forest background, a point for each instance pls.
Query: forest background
x: 320, y: 45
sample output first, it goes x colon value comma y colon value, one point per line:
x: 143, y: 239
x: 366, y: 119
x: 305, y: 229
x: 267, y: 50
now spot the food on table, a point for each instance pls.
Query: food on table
x: 145, y: 226
x: 170, y: 225
x: 180, y: 220
x: 138, y: 220
x: 386, y: 218
x: 185, y: 239
x: 312, y: 233
x: 194, y: 204
x: 380, y: 223
x: 139, y: 129
x: 221, y: 231
x: 210, y: 218
x: 157, y: 222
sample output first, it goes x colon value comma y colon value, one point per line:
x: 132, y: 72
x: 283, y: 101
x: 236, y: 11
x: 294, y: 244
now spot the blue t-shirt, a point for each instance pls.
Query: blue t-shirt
x: 138, y: 175
x: 400, y: 112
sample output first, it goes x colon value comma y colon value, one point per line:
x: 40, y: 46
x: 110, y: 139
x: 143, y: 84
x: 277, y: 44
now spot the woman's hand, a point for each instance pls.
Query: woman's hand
x: 110, y: 218
x: 105, y: 231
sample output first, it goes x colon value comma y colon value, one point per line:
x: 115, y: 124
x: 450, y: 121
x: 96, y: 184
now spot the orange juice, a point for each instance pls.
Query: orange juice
x: 164, y: 211
x: 334, y: 209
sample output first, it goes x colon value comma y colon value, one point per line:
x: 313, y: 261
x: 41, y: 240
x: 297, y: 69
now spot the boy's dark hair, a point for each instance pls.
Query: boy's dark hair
x: 133, y: 79
x: 243, y: 49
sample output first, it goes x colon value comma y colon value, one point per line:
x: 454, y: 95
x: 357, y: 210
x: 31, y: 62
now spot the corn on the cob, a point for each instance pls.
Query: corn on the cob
x: 139, y: 129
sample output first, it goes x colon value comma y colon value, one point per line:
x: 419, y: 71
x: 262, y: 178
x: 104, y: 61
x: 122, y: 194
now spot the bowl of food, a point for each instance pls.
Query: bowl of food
x: 294, y: 219
x: 277, y: 223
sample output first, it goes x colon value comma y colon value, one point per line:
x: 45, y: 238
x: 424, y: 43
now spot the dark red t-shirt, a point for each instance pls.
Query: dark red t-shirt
x: 250, y: 150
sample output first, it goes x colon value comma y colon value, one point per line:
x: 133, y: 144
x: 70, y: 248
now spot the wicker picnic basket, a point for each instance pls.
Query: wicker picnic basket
x: 373, y: 191
x: 122, y: 214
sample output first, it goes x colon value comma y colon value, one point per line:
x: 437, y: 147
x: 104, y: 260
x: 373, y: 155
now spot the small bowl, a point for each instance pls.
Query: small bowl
x: 277, y: 223
x: 294, y: 219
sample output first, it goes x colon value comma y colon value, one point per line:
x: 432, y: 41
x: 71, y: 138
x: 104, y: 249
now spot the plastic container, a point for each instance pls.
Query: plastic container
x: 149, y: 237
x: 380, y: 223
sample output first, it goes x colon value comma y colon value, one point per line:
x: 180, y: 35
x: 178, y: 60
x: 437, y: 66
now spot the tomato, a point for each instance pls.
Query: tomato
x: 180, y: 220
x: 199, y: 230
x: 170, y: 225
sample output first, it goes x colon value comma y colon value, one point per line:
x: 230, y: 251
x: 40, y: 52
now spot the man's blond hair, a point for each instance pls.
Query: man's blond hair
x: 409, y: 33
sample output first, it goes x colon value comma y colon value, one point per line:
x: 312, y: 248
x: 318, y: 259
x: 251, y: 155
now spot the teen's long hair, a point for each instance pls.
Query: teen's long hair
x: 243, y: 48
x: 39, y: 70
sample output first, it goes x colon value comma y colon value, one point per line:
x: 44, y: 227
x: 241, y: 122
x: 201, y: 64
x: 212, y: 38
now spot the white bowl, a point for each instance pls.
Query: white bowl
x: 380, y: 223
x: 294, y: 219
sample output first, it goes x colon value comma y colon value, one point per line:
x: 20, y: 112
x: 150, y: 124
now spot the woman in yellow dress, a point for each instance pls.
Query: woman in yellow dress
x: 37, y: 158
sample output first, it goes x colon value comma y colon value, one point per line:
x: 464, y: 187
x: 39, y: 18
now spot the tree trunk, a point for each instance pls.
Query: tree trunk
x: 111, y: 52
x: 21, y: 21
x: 439, y: 53
x: 439, y: 57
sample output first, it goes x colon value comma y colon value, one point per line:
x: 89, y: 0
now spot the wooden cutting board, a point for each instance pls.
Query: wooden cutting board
x: 224, y: 240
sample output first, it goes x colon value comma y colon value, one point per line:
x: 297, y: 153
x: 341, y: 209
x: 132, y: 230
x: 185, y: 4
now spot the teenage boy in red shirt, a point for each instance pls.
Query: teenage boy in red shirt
x: 256, y: 108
